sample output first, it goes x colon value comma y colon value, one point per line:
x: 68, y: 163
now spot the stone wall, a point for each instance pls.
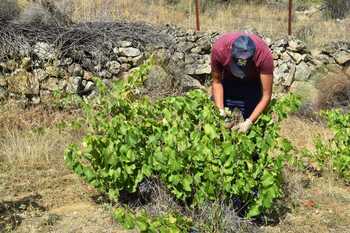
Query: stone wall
x: 185, y: 57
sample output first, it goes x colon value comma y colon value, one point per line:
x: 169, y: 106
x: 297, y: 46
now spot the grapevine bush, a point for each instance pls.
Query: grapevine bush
x: 335, y: 152
x: 182, y: 141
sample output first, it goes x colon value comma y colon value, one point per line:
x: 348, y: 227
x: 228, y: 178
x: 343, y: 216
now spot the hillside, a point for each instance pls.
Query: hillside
x: 106, y: 121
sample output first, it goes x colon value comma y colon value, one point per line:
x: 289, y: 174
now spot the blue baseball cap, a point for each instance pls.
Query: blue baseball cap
x: 242, y: 52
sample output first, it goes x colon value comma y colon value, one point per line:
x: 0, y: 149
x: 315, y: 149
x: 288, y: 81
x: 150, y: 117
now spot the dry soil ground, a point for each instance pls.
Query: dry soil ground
x: 39, y: 194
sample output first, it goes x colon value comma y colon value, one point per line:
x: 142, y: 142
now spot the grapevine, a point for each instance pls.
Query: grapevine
x: 182, y: 141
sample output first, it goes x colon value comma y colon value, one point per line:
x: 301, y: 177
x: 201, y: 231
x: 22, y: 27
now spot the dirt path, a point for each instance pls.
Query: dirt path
x: 321, y: 206
x: 46, y: 197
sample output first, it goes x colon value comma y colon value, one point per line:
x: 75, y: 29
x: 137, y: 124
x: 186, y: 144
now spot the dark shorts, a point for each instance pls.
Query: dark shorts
x: 242, y: 95
x: 245, y: 107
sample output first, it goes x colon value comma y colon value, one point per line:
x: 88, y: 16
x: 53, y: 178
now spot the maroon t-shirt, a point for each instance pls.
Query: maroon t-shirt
x: 221, y: 57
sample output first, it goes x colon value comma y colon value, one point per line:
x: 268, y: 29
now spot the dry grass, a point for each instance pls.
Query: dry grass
x: 33, y: 146
x: 270, y: 20
x: 31, y: 135
x: 95, y: 10
x: 14, y: 116
x: 319, y: 205
x: 38, y: 193
x: 302, y: 132
x: 267, y: 19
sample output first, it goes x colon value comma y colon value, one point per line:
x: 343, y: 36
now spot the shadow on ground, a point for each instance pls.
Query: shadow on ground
x: 11, y: 211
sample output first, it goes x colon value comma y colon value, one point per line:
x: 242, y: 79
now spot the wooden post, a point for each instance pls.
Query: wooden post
x: 290, y: 17
x: 197, y: 16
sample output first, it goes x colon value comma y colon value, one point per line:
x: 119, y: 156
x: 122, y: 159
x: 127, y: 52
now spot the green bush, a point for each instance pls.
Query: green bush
x: 335, y: 152
x: 183, y: 142
x: 339, y: 146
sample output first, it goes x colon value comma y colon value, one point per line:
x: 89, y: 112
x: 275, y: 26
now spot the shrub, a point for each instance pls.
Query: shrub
x: 338, y: 149
x: 334, y: 91
x: 335, y: 152
x: 183, y: 142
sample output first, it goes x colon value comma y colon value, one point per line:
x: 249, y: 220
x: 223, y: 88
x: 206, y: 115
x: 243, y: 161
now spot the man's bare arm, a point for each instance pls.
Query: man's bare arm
x: 218, y: 90
x: 266, y: 82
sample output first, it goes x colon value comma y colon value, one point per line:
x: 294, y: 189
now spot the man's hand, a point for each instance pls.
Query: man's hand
x: 222, y: 112
x: 244, y: 126
x: 225, y: 112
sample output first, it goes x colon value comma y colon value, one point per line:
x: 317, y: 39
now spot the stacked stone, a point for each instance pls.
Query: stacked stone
x: 36, y: 77
x: 39, y: 73
x: 335, y: 55
x: 294, y: 62
x: 188, y: 60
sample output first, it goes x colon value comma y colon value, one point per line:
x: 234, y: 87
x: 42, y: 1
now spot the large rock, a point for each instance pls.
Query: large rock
x: 277, y: 51
x: 303, y: 72
x: 88, y: 86
x: 136, y: 61
x: 23, y: 82
x: 280, y: 73
x: 76, y: 70
x: 3, y: 93
x: 40, y: 74
x: 113, y: 67
x: 342, y: 57
x: 297, y: 57
x: 196, y: 50
x: 123, y: 60
x: 306, y: 90
x: 188, y: 83
x: 280, y: 43
x: 105, y: 74
x: 74, y: 85
x: 178, y: 56
x: 185, y: 46
x: 189, y: 59
x: 323, y: 59
x: 45, y: 51
x: 54, y: 71
x: 334, y: 47
x: 26, y: 63
x: 8, y: 66
x: 204, y: 43
x: 198, y: 69
x: 296, y: 45
x: 3, y: 82
x: 124, y: 44
x: 290, y: 76
x: 158, y: 79
x: 53, y: 84
x: 129, y: 52
x: 347, y: 70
